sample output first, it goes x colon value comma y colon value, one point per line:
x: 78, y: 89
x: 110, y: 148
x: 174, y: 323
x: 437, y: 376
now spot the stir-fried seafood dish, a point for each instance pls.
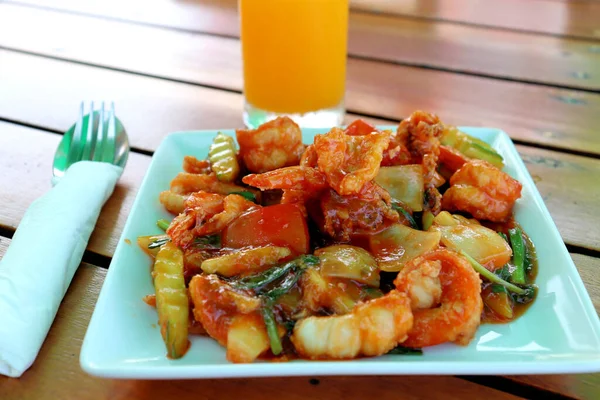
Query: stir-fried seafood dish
x: 362, y: 243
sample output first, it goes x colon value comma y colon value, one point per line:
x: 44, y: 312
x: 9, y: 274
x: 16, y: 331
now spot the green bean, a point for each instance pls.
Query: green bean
x: 518, y: 247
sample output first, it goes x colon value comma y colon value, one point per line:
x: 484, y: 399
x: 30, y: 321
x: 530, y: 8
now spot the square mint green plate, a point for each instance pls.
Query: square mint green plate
x: 559, y: 333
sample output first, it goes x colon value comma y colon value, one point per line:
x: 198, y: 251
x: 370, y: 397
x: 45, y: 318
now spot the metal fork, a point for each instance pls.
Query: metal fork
x: 98, y: 136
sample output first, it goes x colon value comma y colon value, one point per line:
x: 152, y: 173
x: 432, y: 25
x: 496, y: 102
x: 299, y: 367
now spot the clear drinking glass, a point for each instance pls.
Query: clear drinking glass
x: 294, y: 57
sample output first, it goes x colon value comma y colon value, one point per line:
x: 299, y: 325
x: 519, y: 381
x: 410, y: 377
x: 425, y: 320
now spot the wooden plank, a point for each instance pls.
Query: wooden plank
x: 555, y: 175
x: 149, y: 108
x: 588, y: 268
x: 540, y: 115
x: 212, y: 16
x: 578, y: 19
x: 502, y: 54
x: 560, y: 118
x: 56, y: 373
x: 567, y: 183
x: 51, y: 97
x: 568, y: 18
x: 499, y: 53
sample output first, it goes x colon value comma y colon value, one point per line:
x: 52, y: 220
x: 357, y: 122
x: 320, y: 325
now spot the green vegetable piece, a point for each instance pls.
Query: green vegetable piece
x: 246, y: 194
x: 275, y: 341
x: 471, y: 146
x: 427, y: 220
x: 404, y: 183
x: 503, y: 236
x: 371, y: 293
x: 528, y: 262
x: 270, y: 297
x: 163, y: 224
x: 490, y: 276
x: 498, y: 288
x: 286, y: 285
x: 518, y: 247
x: 208, y: 242
x: 406, y: 351
x: 158, y: 243
x: 526, y: 297
x: 406, y: 215
x: 222, y: 157
x: 258, y: 280
x: 503, y: 273
x: 172, y: 302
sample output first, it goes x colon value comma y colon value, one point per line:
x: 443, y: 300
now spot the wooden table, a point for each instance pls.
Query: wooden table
x: 531, y: 68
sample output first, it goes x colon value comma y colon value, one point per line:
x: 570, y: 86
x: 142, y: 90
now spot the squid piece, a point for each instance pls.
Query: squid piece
x: 186, y: 183
x: 173, y: 202
x: 194, y: 166
x: 245, y: 261
x: 371, y: 329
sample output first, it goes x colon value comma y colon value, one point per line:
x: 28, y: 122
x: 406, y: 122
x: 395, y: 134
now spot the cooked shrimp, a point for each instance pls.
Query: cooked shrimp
x: 272, y: 145
x: 309, y: 157
x: 173, y: 202
x: 295, y: 178
x: 194, y: 166
x: 186, y: 183
x: 458, y: 316
x: 199, y: 207
x: 349, y: 162
x: 423, y: 284
x: 348, y: 215
x: 291, y: 196
x: 397, y: 152
x: 371, y: 329
x: 483, y: 191
x: 245, y: 261
x: 233, y: 206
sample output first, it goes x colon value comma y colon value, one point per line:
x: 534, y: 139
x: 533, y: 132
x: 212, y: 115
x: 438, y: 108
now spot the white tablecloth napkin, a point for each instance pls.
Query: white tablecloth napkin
x: 44, y: 254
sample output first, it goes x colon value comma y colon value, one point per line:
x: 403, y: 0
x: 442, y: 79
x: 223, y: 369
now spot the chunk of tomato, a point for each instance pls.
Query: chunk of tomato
x: 281, y: 225
x: 360, y: 128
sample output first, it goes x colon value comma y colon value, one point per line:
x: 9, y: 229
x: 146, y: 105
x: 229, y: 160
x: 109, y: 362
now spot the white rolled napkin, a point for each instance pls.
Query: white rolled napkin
x: 44, y: 254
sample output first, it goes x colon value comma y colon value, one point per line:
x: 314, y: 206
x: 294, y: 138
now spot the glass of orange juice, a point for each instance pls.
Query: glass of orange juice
x: 294, y: 57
